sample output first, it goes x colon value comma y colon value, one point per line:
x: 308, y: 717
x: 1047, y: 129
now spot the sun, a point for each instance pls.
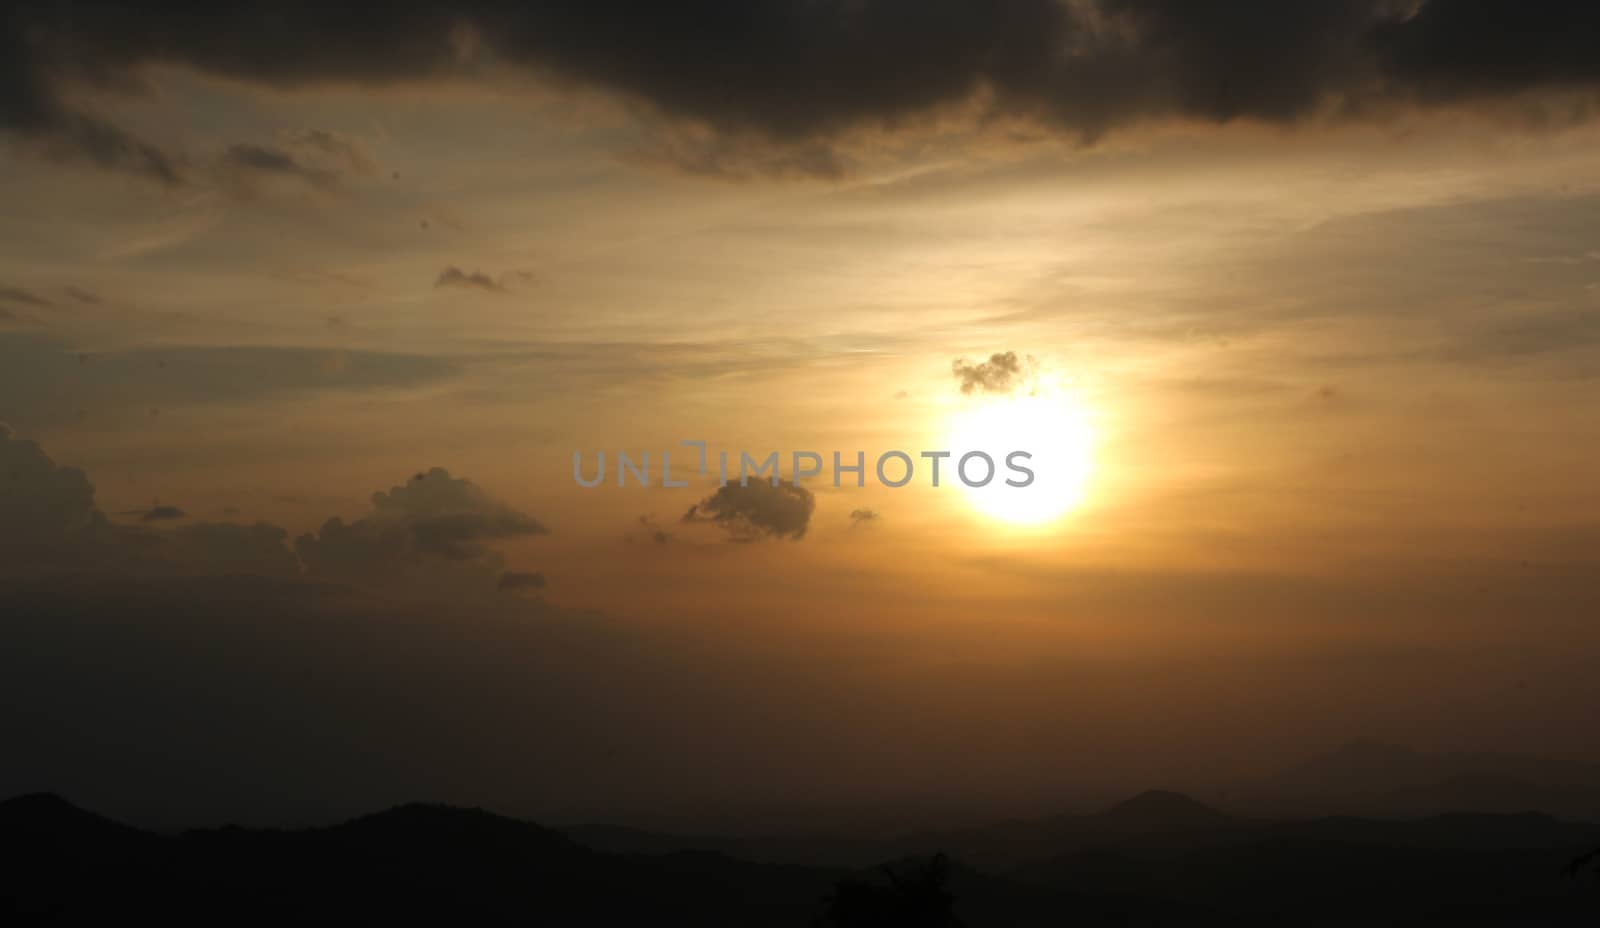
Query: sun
x: 1048, y: 425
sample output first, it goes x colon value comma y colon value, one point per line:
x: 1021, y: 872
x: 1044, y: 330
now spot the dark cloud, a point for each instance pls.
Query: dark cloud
x: 517, y: 581
x: 83, y: 296
x: 794, y: 72
x: 65, y: 135
x: 262, y: 158
x: 237, y: 550
x: 346, y: 153
x: 45, y: 509
x: 428, y: 536
x: 433, y: 522
x: 863, y: 516
x: 456, y: 509
x: 1465, y: 49
x: 455, y: 277
x: 25, y: 297
x: 247, y: 164
x: 1003, y: 372
x: 48, y: 517
x: 316, y: 158
x: 758, y: 510
x: 649, y: 532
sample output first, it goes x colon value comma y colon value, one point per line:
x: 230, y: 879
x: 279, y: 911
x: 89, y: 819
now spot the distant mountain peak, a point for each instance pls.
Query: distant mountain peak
x: 52, y: 814
x: 1158, y: 808
x: 42, y: 801
x: 437, y: 824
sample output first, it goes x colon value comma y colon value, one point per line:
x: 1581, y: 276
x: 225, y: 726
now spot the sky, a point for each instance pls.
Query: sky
x: 305, y: 313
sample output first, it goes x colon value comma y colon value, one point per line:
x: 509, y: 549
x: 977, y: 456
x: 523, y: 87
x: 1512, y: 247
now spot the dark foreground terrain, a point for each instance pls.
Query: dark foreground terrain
x: 1158, y: 859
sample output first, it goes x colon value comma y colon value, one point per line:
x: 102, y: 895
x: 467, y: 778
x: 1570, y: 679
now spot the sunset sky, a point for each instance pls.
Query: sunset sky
x: 1310, y: 292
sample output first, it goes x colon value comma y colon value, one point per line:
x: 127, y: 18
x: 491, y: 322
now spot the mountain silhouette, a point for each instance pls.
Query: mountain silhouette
x: 1161, y: 810
x: 1377, y: 778
x: 1158, y: 858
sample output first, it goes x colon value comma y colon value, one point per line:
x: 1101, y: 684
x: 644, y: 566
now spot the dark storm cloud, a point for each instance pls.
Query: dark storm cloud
x: 756, y: 511
x: 453, y: 276
x: 1469, y: 48
x: 797, y: 71
x: 1000, y: 374
x: 162, y: 514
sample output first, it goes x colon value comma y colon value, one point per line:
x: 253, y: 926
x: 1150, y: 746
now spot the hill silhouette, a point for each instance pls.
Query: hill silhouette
x: 1160, y: 810
x: 1371, y: 777
x: 1157, y: 858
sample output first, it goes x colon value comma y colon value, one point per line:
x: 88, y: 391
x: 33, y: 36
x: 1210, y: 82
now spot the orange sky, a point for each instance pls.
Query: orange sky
x: 1339, y: 377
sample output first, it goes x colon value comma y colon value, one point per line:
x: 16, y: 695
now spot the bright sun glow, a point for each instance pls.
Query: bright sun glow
x: 1050, y: 427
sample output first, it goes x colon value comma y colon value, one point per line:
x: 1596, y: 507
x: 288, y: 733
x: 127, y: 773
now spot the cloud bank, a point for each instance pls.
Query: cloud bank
x: 794, y: 72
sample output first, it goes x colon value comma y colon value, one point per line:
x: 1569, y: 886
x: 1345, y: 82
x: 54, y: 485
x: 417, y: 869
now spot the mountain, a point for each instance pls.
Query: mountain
x: 1159, y: 858
x: 429, y: 863
x: 1152, y: 815
x: 1159, y: 810
x: 1375, y: 778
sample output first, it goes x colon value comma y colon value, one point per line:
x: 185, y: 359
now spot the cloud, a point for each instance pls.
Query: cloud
x: 48, y: 516
x: 83, y: 296
x: 1000, y: 374
x: 316, y: 158
x: 650, y: 532
x: 25, y: 297
x: 246, y: 165
x: 453, y: 276
x: 756, y: 511
x: 431, y: 533
x: 516, y: 581
x: 45, y: 509
x: 790, y: 74
x: 433, y: 522
x: 341, y: 151
x: 456, y: 508
x: 860, y: 517
x: 61, y: 134
x: 236, y: 550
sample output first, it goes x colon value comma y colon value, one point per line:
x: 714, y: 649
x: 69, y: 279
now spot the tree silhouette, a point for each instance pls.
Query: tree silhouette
x: 1589, y: 861
x: 915, y: 897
